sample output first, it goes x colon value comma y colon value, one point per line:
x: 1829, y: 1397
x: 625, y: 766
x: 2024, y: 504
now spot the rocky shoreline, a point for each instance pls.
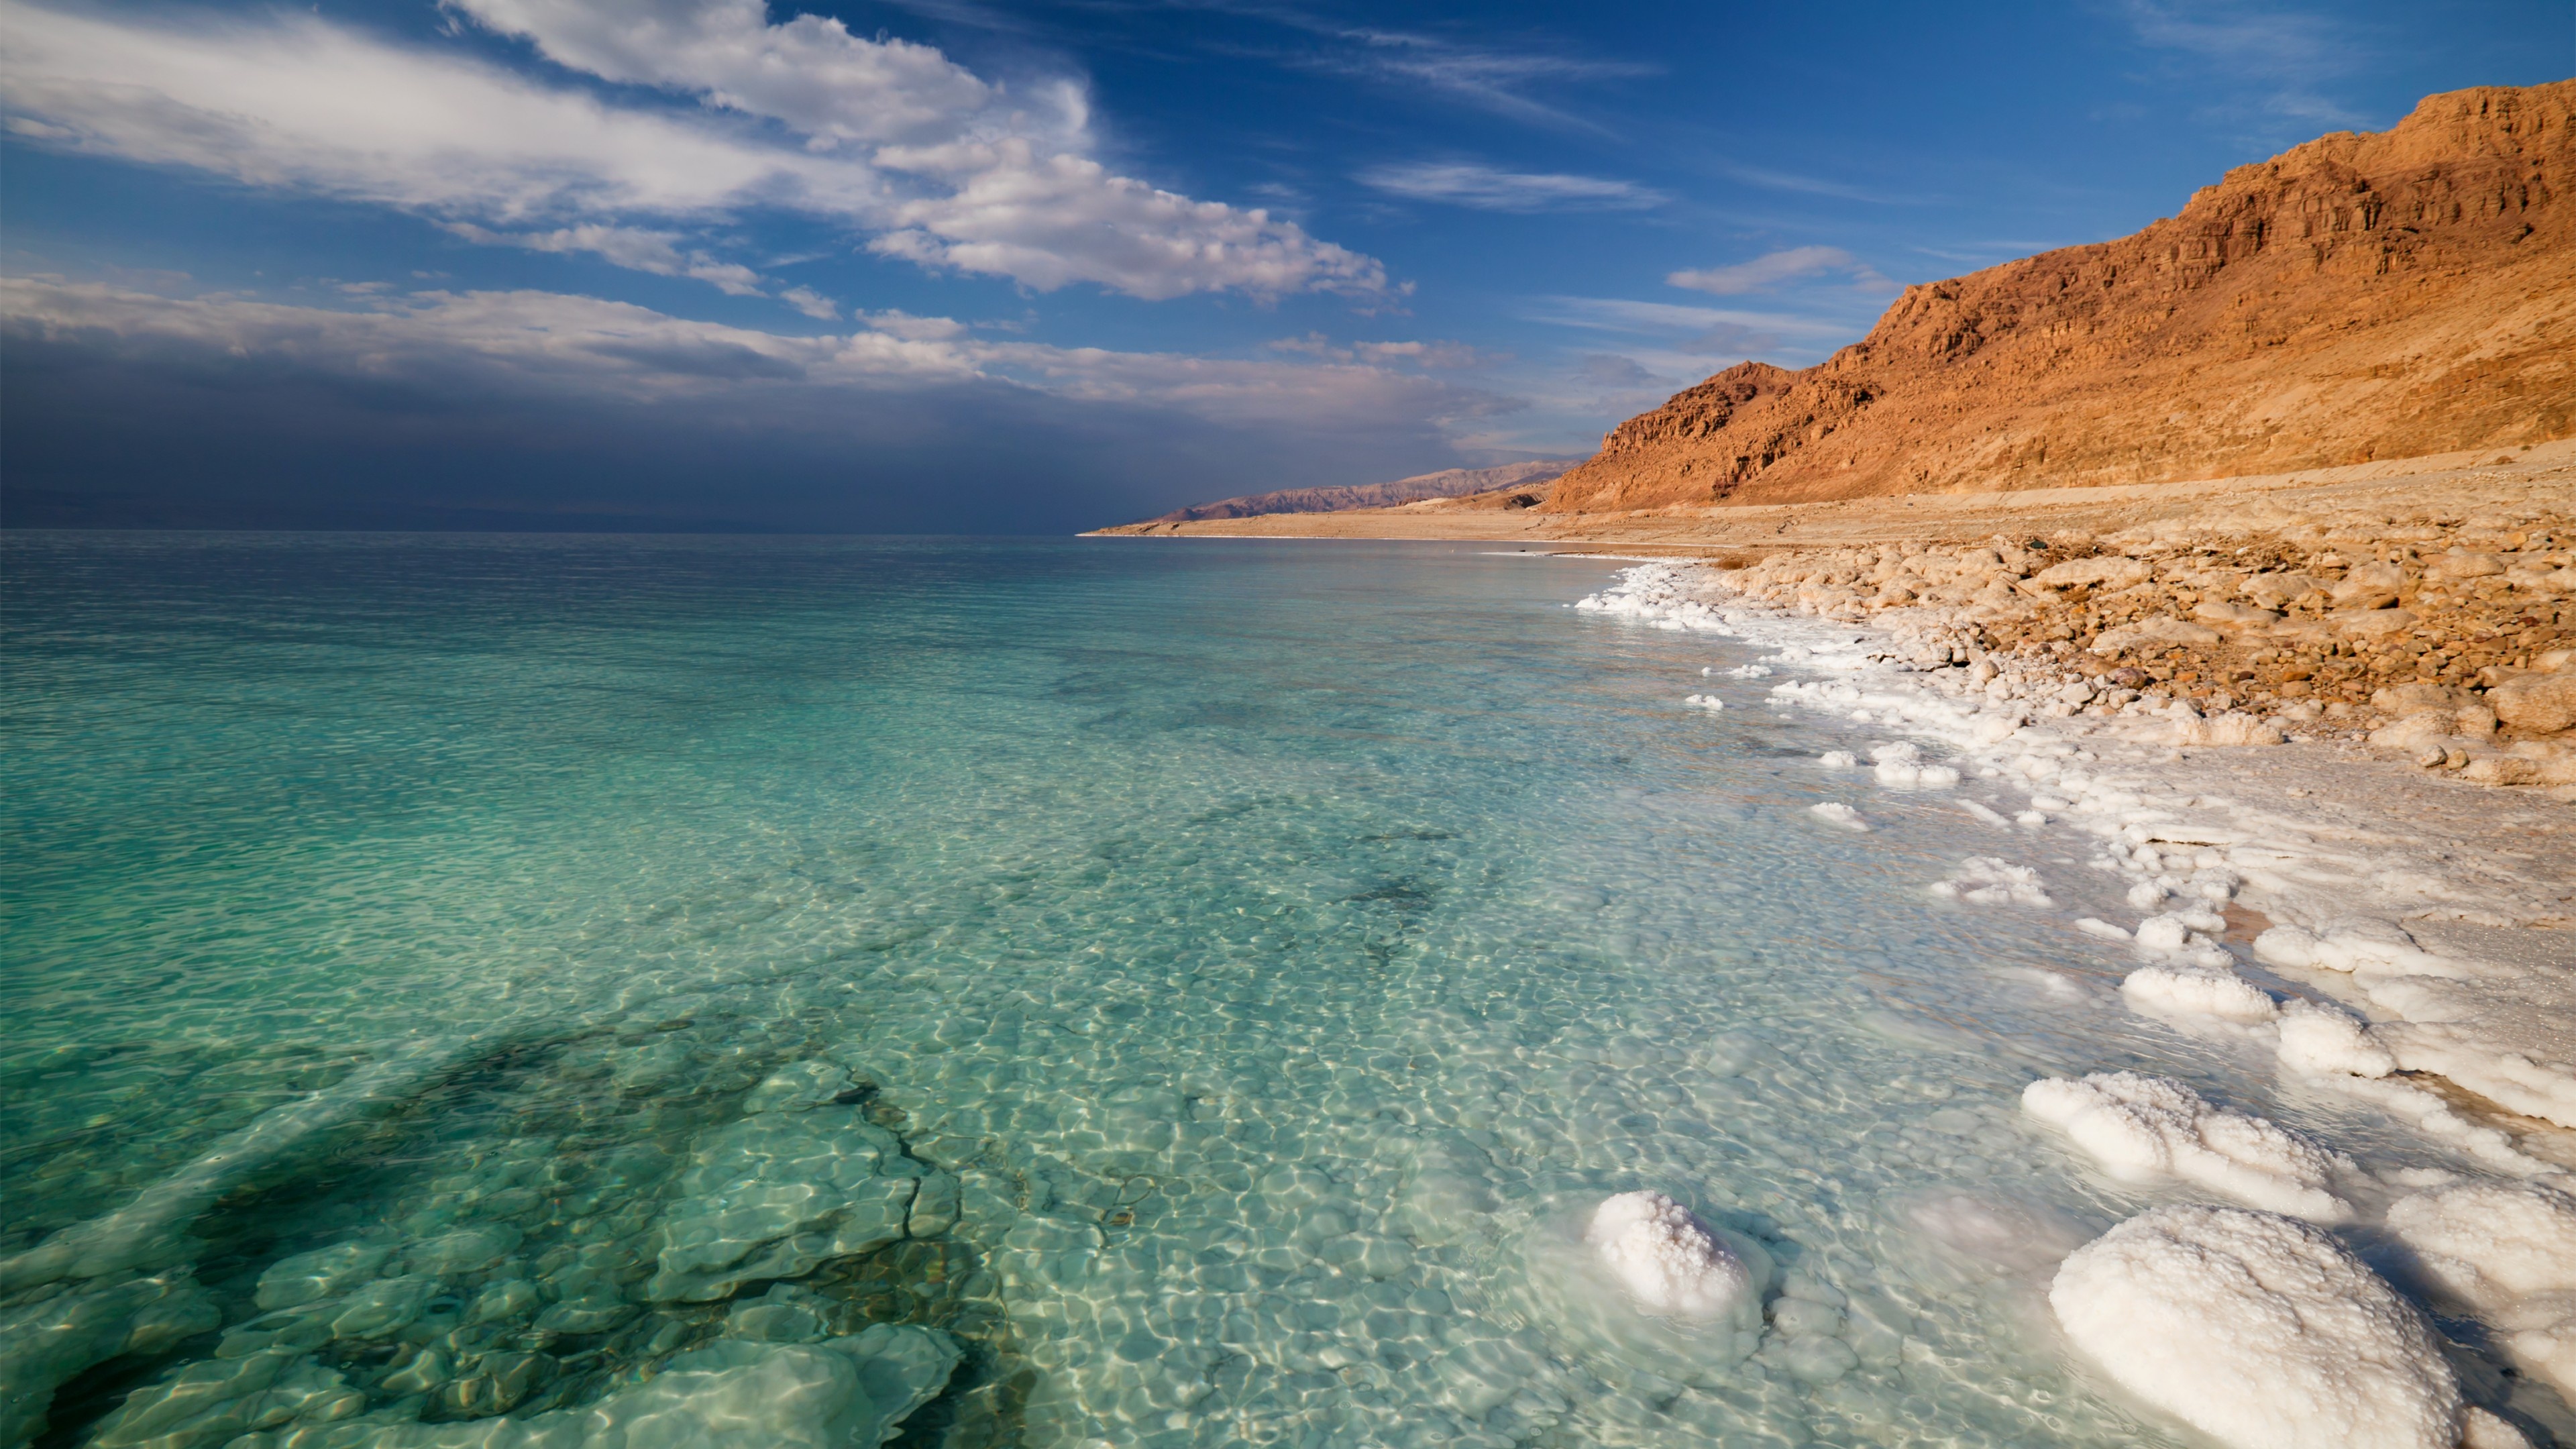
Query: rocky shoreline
x: 2442, y: 631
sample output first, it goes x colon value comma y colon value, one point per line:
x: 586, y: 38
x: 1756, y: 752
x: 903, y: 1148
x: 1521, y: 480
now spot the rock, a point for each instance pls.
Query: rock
x: 2161, y: 631
x: 2108, y: 572
x: 2213, y: 612
x: 2539, y: 704
x: 45, y: 1343
x: 2406, y: 699
x: 2274, y: 590
x: 2369, y: 586
x: 2231, y: 728
x: 322, y: 1273
x: 2373, y: 623
x: 2415, y: 731
x: 2462, y: 564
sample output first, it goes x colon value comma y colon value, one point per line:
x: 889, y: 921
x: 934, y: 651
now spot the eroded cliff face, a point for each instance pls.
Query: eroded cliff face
x: 2386, y: 295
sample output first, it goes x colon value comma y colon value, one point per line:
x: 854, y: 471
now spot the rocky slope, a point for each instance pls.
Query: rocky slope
x: 2362, y: 296
x: 1447, y: 483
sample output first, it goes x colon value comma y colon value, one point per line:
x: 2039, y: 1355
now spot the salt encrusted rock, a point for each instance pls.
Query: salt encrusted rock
x: 2508, y: 1252
x: 841, y: 1393
x: 775, y: 1194
x: 1670, y: 1262
x: 2537, y: 703
x: 2145, y: 1129
x: 2258, y: 1330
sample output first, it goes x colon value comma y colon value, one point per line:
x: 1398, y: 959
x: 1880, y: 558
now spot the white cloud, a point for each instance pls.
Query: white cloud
x: 1489, y: 189
x: 1008, y: 209
x: 2283, y: 55
x: 810, y: 302
x: 960, y: 177
x: 526, y: 342
x: 636, y: 249
x: 1768, y: 271
x: 1382, y: 354
x: 810, y: 73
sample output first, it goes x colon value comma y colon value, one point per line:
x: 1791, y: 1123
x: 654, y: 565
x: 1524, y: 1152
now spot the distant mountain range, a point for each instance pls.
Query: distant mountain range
x: 1447, y: 483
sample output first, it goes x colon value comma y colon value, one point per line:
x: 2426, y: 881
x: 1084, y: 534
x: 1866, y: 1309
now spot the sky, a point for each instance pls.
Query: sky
x: 949, y: 266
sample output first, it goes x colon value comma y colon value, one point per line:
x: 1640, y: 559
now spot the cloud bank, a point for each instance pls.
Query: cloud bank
x: 929, y: 162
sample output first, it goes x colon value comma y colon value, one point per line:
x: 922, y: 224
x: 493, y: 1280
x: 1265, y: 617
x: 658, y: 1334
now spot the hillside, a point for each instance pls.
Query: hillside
x: 1448, y: 483
x: 2363, y: 296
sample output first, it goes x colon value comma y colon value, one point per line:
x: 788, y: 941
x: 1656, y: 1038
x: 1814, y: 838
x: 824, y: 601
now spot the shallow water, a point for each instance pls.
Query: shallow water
x: 1203, y: 979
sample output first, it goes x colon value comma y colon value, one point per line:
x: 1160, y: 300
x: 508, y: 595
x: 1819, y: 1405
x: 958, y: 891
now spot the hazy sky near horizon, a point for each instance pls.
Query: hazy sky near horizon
x: 954, y: 266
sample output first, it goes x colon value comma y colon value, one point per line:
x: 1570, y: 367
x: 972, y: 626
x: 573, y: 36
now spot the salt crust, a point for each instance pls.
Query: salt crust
x: 2507, y: 1252
x: 2260, y: 1331
x: 1988, y: 881
x: 1670, y: 1262
x: 2146, y: 1129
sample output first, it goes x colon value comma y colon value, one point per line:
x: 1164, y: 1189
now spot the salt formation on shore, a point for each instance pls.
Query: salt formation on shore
x: 2507, y: 1253
x: 2142, y: 1129
x: 1666, y: 1259
x: 2100, y: 754
x: 2258, y: 1330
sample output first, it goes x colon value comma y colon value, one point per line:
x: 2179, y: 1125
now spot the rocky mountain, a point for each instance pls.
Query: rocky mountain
x: 2395, y: 294
x: 1447, y: 483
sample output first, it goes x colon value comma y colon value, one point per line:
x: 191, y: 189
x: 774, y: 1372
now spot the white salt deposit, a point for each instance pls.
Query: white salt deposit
x: 2322, y: 1041
x: 2197, y: 990
x: 2508, y: 1253
x: 1839, y: 813
x: 2147, y: 1129
x: 1704, y: 701
x: 1669, y: 1262
x: 1987, y: 881
x: 2104, y: 929
x: 2259, y: 1331
x: 1837, y: 759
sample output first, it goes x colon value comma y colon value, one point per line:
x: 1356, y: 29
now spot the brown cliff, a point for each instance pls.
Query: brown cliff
x: 2385, y: 295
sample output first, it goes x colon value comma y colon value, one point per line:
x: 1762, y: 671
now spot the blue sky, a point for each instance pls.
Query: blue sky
x: 953, y: 266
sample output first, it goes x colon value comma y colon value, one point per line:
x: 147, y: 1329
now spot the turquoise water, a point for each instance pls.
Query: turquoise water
x: 1200, y: 980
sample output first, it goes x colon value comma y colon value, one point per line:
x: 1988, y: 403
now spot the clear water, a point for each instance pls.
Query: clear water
x: 1242, y: 958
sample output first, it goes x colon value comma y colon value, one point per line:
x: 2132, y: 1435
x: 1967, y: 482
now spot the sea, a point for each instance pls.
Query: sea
x: 479, y: 991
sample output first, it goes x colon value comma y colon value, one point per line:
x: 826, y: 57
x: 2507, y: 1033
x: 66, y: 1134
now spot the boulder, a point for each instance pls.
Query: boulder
x: 2540, y: 704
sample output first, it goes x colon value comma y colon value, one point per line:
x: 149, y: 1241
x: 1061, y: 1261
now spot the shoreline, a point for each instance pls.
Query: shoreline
x: 2406, y: 916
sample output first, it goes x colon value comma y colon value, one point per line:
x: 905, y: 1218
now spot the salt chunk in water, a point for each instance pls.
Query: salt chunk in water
x: 1669, y: 1261
x: 1838, y: 759
x: 1840, y: 814
x: 2260, y: 1331
x: 1704, y: 701
x: 2508, y: 1251
x: 2143, y: 1128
